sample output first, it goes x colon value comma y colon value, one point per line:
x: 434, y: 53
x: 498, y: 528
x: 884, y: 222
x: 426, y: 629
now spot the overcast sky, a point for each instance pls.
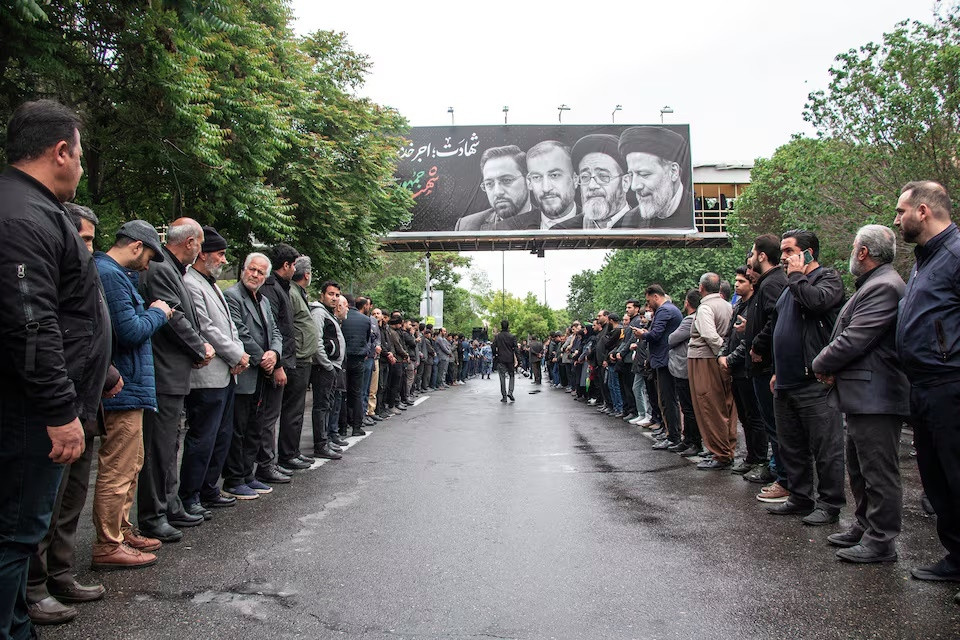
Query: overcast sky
x: 738, y: 72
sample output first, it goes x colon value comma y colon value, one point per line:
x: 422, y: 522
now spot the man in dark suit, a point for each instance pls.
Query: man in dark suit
x: 861, y: 363
x: 178, y: 347
x: 505, y: 354
x: 262, y: 340
x: 553, y: 182
x: 657, y: 159
x: 503, y: 170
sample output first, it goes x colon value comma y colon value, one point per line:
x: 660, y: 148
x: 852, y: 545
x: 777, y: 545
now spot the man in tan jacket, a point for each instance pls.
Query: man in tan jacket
x: 709, y: 384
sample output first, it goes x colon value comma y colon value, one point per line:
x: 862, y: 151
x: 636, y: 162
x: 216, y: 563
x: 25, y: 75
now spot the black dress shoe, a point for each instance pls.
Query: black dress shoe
x: 693, y: 452
x: 369, y: 422
x: 358, y: 432
x: 295, y: 464
x: 678, y: 447
x: 305, y: 458
x: 287, y: 471
x: 335, y: 446
x: 375, y: 417
x: 862, y: 555
x: 503, y: 399
x: 197, y: 509
x: 218, y: 502
x: 181, y: 520
x: 714, y: 465
x: 163, y: 532
x: 73, y: 591
x: 272, y: 476
x: 820, y: 517
x: 50, y: 611
x: 337, y: 440
x: 789, y: 509
x: 849, y: 538
x: 943, y: 571
x: 512, y: 399
x: 328, y: 453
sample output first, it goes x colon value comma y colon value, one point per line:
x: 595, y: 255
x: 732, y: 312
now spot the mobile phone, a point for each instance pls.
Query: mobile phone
x: 807, y: 256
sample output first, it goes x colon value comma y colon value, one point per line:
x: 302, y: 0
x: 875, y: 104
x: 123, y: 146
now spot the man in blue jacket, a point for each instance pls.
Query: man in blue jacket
x: 928, y: 326
x: 666, y: 319
x: 120, y: 457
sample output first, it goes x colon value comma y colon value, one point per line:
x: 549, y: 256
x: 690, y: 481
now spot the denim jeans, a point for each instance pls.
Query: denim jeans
x: 367, y: 378
x: 761, y: 389
x: 29, y: 482
x: 640, y: 393
x: 613, y: 384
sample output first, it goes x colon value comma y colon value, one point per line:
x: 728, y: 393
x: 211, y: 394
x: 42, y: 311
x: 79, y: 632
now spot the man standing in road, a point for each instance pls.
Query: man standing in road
x: 178, y: 348
x: 927, y: 327
x: 505, y: 354
x: 329, y: 361
x: 54, y: 338
x: 210, y: 403
x: 356, y: 336
x: 861, y: 363
x: 666, y: 320
x: 536, y: 359
x: 443, y: 355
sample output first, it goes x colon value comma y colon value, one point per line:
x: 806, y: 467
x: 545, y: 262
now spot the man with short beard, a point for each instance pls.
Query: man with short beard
x: 261, y: 338
x: 210, y: 402
x: 120, y: 456
x: 552, y: 181
x: 329, y: 361
x: 178, y: 348
x: 504, y: 170
x: 603, y: 182
x: 657, y: 160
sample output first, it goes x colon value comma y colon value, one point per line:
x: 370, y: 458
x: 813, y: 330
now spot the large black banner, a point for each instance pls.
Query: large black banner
x: 560, y: 179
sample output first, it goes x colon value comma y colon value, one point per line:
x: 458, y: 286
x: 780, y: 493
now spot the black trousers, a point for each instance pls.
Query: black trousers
x: 54, y: 559
x: 936, y: 436
x: 810, y: 434
x: 157, y: 486
x: 754, y: 430
x: 654, y: 398
x: 761, y: 391
x: 394, y: 384
x: 604, y: 389
x: 272, y: 406
x: 384, y: 383
x: 691, y: 431
x: 353, y: 368
x: 536, y: 367
x: 873, y: 448
x: 291, y: 411
x: 669, y: 409
x: 626, y: 390
x: 248, y: 427
x: 206, y: 443
x: 322, y: 381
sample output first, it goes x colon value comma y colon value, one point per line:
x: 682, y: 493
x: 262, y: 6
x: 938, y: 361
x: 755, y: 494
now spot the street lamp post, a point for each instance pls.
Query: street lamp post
x: 666, y: 109
x: 450, y: 111
x: 613, y: 116
x: 506, y: 109
x: 560, y: 111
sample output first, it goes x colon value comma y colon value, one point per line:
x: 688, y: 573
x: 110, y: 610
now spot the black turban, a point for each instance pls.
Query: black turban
x: 597, y: 143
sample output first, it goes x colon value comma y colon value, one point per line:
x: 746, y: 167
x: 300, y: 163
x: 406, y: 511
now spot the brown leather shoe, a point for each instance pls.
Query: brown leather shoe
x: 133, y: 539
x: 50, y: 611
x: 107, y: 558
x: 73, y: 591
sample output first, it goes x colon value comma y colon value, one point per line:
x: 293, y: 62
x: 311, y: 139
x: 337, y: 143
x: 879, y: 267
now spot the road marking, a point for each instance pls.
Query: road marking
x: 419, y: 400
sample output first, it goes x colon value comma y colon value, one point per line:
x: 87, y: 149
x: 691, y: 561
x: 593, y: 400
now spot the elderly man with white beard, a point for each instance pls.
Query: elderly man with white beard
x: 603, y: 181
x: 656, y: 159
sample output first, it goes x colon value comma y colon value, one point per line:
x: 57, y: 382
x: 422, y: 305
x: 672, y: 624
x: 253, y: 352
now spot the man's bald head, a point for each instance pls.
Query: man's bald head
x: 184, y: 239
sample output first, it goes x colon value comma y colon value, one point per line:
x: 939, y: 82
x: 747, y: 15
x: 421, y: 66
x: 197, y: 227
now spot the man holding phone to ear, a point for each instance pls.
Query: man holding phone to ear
x: 809, y: 429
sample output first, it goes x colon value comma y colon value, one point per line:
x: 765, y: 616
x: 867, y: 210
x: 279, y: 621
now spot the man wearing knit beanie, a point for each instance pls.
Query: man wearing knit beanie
x: 657, y: 159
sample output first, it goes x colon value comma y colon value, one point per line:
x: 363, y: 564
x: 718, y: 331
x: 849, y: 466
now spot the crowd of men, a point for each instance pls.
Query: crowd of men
x: 122, y: 344
x: 817, y: 380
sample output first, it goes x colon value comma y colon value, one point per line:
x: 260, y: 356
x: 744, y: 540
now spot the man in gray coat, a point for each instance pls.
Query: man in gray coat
x: 861, y: 364
x: 178, y: 348
x: 261, y: 339
x: 443, y: 358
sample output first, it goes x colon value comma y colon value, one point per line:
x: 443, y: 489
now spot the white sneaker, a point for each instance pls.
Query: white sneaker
x: 592, y: 401
x: 642, y: 421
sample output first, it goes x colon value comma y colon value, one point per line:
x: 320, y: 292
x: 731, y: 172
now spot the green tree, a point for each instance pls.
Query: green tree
x: 397, y: 293
x: 580, y: 300
x: 216, y: 111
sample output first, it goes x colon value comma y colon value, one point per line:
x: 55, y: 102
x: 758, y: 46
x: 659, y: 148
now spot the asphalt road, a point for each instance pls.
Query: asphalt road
x: 468, y: 518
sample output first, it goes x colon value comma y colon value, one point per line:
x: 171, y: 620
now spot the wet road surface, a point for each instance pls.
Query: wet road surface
x: 467, y: 518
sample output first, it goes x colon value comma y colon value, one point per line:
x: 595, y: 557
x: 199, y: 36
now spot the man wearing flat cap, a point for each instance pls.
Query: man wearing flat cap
x: 209, y: 404
x: 603, y: 182
x: 656, y: 160
x: 120, y: 457
x: 504, y: 172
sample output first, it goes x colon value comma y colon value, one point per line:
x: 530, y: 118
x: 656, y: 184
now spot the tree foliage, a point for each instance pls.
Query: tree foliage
x: 891, y: 114
x: 216, y: 111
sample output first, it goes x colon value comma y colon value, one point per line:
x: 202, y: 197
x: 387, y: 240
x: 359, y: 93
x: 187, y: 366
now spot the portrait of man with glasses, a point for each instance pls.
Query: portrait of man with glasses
x: 504, y: 171
x: 656, y: 158
x: 602, y: 174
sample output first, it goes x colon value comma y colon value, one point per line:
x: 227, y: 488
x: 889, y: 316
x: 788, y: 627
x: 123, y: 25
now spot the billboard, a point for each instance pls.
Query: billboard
x: 548, y: 180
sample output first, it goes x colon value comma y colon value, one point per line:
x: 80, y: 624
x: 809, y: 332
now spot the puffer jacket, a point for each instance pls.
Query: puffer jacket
x: 133, y: 325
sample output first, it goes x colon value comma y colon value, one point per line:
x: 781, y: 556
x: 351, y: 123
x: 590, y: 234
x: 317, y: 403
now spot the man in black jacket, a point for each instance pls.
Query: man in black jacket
x: 177, y: 348
x: 356, y: 335
x: 505, y: 353
x: 54, y: 338
x: 755, y: 353
x: 809, y: 429
x: 276, y: 289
